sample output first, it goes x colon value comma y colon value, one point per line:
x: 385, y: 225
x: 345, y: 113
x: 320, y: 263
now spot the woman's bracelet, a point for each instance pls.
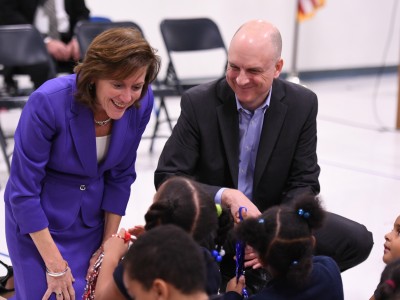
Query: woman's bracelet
x: 57, y: 274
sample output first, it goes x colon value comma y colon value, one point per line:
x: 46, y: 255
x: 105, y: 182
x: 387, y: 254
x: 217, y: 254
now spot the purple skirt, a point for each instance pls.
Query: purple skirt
x: 76, y: 244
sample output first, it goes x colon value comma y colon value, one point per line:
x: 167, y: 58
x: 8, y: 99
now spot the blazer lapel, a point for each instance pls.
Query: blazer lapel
x: 229, y: 125
x: 273, y: 121
x: 83, y: 136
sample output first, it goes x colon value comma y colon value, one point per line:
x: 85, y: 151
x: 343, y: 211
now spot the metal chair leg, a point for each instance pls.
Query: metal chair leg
x: 3, y: 145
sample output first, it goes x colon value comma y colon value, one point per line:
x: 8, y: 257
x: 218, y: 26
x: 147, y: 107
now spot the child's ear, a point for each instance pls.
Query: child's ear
x: 313, y: 241
x: 160, y: 288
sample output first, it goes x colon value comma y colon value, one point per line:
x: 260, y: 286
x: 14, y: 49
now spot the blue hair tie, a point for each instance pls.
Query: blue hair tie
x: 304, y: 214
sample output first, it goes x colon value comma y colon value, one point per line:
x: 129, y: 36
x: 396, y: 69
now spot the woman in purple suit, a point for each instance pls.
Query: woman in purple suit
x: 74, y: 163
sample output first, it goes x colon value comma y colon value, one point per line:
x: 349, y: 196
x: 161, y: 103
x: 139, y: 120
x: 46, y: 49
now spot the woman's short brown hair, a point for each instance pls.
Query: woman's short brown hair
x: 117, y: 54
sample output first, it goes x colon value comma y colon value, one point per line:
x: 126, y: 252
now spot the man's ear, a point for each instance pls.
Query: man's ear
x: 278, y: 68
x: 160, y: 288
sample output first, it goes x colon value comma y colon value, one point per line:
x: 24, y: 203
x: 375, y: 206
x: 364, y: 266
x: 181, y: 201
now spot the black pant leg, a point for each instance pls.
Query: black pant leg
x: 38, y: 73
x: 349, y: 243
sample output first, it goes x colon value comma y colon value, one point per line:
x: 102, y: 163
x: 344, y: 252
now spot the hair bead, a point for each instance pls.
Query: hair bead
x: 218, y: 254
x: 219, y: 209
x: 391, y: 283
x: 304, y: 214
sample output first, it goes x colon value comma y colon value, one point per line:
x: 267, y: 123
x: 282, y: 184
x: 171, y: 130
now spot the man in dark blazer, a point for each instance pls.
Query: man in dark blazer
x: 65, y: 50
x: 251, y: 139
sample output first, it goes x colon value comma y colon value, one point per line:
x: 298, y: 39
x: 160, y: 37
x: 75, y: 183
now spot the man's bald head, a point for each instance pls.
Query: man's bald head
x: 259, y: 33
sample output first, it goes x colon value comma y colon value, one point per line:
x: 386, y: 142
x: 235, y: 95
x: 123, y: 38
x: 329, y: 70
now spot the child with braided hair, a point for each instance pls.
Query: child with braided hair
x: 390, y: 255
x: 182, y: 202
x: 389, y: 286
x: 283, y: 239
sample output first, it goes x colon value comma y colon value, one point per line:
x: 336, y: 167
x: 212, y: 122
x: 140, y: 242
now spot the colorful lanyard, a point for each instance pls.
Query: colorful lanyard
x: 240, y: 246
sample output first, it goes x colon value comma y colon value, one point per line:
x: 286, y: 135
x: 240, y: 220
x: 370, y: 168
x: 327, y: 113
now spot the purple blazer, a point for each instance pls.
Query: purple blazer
x: 55, y: 174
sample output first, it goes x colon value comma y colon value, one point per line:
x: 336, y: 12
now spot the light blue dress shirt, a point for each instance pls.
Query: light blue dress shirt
x: 250, y: 126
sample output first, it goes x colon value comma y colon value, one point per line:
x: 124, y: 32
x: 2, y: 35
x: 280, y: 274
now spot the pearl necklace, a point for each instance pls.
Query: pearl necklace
x: 102, y: 123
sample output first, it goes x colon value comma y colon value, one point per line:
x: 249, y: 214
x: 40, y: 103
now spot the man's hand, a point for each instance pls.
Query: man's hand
x: 251, y: 258
x: 74, y: 51
x: 234, y: 199
x: 58, y: 50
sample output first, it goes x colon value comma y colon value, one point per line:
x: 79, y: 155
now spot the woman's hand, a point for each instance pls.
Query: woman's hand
x: 58, y: 274
x: 61, y: 286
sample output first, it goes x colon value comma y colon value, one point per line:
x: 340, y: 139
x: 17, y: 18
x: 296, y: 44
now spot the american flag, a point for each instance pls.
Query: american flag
x: 307, y: 8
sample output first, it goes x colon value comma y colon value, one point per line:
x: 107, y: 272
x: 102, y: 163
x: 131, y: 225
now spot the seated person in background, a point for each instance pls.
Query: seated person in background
x: 282, y: 238
x: 60, y: 43
x: 389, y: 286
x: 182, y: 202
x: 391, y: 249
x: 165, y: 263
x: 251, y: 139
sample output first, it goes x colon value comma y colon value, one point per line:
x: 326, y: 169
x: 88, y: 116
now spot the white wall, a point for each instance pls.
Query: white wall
x: 344, y: 34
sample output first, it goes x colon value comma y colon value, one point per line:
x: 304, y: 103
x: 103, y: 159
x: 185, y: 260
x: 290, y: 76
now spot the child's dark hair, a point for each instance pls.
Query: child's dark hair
x: 282, y: 237
x: 168, y: 253
x: 389, y: 286
x: 183, y: 202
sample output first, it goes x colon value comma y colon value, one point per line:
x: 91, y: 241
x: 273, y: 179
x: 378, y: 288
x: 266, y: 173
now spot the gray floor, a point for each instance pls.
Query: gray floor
x: 359, y: 155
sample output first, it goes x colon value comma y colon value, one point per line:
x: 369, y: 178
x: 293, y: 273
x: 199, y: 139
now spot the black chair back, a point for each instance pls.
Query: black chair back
x: 86, y: 31
x: 189, y: 36
x: 23, y: 45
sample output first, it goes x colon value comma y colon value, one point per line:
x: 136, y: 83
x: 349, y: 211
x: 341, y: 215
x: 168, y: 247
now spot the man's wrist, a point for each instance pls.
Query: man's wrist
x: 218, y: 196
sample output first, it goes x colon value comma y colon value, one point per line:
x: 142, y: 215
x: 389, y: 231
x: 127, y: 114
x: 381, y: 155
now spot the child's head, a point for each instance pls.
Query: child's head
x: 282, y: 237
x: 163, y: 257
x: 183, y: 202
x: 389, y: 286
x: 392, y: 243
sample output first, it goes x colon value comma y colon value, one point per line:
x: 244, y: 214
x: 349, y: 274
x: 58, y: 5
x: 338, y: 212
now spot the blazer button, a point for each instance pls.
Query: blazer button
x: 82, y: 187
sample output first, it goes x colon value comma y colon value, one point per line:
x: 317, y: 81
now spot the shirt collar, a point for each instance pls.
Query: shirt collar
x: 263, y: 106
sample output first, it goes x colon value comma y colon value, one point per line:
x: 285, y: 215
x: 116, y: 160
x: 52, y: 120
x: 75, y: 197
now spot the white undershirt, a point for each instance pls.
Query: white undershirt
x: 41, y: 21
x: 102, y: 143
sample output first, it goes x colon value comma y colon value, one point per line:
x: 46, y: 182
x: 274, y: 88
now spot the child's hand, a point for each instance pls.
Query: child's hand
x: 116, y: 246
x: 137, y: 230
x: 234, y: 286
x: 251, y: 258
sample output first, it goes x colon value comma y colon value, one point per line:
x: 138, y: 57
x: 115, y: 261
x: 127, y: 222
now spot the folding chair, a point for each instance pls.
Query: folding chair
x: 190, y: 42
x: 21, y: 45
x: 86, y: 31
